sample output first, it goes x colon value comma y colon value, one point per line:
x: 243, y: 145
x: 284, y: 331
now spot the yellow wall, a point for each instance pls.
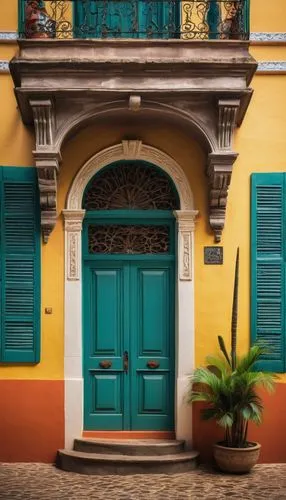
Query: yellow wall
x: 261, y: 144
x: 267, y: 16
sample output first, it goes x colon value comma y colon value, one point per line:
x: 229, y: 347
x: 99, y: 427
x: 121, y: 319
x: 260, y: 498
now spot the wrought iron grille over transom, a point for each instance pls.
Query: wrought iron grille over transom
x: 132, y: 186
x: 128, y: 239
x: 189, y: 20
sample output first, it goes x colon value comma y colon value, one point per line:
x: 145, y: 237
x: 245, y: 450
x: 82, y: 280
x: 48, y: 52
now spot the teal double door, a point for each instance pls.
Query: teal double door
x: 128, y: 305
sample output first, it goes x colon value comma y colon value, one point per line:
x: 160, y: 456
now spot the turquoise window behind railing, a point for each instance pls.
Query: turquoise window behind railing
x: 154, y: 19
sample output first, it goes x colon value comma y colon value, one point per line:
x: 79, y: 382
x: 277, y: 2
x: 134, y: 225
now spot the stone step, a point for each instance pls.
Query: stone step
x: 102, y: 464
x: 132, y: 447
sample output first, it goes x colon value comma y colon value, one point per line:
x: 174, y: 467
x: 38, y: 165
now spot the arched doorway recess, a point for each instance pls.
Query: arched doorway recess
x: 184, y: 291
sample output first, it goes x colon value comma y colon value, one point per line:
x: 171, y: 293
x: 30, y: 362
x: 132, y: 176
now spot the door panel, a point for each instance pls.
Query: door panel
x: 107, y: 318
x: 152, y: 334
x: 152, y: 389
x: 106, y: 391
x: 153, y: 304
x: 103, y: 346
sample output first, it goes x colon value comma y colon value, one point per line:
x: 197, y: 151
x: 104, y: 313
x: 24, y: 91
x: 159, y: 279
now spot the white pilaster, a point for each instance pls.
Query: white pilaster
x: 73, y: 327
x: 185, y: 334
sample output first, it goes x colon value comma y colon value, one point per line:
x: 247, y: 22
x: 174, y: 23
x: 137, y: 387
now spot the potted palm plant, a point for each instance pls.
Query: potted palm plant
x: 228, y: 386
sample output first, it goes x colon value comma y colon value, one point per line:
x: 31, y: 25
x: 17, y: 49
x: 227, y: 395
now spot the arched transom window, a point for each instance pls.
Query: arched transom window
x: 131, y: 185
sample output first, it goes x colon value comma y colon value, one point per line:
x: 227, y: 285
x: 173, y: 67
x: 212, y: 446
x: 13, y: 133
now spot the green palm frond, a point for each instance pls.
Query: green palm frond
x: 259, y: 379
x: 206, y: 377
x: 248, y: 360
x: 202, y: 396
x: 249, y: 413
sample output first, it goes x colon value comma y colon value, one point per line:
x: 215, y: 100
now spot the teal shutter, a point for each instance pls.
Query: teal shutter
x: 268, y: 267
x: 20, y: 263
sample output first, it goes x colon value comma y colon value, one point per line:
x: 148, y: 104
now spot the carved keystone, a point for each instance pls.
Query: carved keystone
x: 219, y: 173
x: 134, y: 102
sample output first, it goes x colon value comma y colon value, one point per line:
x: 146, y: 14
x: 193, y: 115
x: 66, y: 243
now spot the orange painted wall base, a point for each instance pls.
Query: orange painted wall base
x: 271, y: 434
x: 32, y: 424
x: 129, y: 434
x: 31, y: 420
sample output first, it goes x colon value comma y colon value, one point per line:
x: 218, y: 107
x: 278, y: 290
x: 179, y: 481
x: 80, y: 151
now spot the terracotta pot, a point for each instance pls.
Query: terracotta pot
x: 236, y: 460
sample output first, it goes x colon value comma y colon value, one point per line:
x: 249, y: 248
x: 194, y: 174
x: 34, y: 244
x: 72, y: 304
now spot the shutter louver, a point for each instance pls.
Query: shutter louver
x: 21, y: 266
x: 268, y: 268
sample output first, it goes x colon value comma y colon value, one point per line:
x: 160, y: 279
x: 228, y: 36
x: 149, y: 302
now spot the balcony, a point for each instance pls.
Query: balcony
x: 151, y: 19
x: 108, y: 48
x: 184, y: 63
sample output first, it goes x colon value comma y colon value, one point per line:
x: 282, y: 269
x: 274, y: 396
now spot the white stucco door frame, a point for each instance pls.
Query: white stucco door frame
x: 73, y: 217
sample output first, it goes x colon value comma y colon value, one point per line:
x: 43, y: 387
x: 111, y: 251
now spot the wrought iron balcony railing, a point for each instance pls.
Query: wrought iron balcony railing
x: 154, y: 19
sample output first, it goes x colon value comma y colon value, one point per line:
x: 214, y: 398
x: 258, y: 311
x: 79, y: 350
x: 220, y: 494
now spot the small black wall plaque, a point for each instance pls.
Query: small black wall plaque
x: 213, y: 255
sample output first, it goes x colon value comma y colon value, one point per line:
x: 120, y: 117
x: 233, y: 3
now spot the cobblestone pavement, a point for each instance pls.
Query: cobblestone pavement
x: 45, y: 482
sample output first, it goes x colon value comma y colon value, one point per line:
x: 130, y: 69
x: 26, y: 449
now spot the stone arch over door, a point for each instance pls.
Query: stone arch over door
x: 73, y: 217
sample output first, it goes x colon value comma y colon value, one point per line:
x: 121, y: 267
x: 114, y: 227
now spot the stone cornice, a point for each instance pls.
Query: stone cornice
x: 213, y: 59
x: 263, y: 66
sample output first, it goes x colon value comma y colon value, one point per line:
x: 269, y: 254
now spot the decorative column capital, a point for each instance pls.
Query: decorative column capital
x: 226, y: 122
x: 219, y: 173
x: 186, y: 219
x: 186, y: 226
x: 73, y: 219
x: 44, y: 121
x: 73, y: 226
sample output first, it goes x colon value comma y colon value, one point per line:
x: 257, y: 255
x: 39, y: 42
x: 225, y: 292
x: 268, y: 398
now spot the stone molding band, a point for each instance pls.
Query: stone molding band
x: 8, y: 36
x: 272, y: 37
x: 4, y: 66
x: 271, y: 67
x: 256, y: 36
